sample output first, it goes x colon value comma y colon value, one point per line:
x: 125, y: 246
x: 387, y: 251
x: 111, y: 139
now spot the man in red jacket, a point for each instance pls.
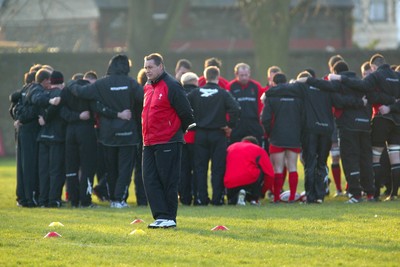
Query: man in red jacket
x: 166, y: 116
x: 249, y: 172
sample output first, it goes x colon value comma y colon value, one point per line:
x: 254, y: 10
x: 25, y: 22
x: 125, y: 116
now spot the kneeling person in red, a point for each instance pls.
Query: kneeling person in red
x: 249, y: 172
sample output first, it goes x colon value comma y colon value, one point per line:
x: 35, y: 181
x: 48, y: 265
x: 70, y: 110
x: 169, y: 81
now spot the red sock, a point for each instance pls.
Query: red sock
x: 293, y: 181
x: 336, y: 172
x: 278, y: 184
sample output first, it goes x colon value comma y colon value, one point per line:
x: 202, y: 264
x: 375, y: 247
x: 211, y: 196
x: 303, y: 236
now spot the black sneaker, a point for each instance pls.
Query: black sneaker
x: 100, y: 195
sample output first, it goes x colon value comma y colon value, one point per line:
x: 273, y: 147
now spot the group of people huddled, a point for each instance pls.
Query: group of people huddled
x: 169, y: 128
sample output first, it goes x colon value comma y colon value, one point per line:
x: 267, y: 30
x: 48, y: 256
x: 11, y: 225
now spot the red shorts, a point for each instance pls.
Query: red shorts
x: 276, y: 149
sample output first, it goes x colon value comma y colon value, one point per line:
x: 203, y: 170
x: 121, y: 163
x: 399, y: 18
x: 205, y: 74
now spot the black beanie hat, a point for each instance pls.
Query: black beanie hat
x: 56, y: 77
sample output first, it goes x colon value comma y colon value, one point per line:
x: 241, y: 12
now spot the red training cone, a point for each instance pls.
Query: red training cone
x: 137, y: 221
x: 52, y: 234
x: 220, y: 228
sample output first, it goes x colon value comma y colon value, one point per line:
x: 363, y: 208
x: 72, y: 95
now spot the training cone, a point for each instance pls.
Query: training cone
x: 137, y: 221
x: 219, y: 228
x: 52, y: 234
x: 137, y: 232
x: 54, y: 224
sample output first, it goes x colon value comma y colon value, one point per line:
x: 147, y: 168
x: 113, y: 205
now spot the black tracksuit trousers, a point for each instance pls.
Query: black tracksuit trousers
x: 187, y: 181
x: 80, y: 153
x: 161, y: 171
x: 120, y: 162
x: 27, y: 173
x: 315, y: 153
x: 210, y: 144
x: 51, y: 173
x: 355, y: 150
x: 141, y: 199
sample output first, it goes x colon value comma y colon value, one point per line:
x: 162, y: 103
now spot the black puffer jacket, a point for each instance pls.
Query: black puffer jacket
x: 119, y: 92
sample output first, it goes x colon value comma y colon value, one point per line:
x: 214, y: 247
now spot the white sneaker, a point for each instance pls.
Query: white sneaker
x: 162, y: 223
x: 353, y: 200
x: 339, y: 193
x: 255, y: 203
x: 241, y: 198
x: 119, y: 205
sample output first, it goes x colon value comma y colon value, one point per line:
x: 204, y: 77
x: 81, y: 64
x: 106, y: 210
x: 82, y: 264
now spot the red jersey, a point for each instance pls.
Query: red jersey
x: 244, y: 163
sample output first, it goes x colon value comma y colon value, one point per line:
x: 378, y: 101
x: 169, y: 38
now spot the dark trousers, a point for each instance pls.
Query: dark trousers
x: 80, y: 153
x: 253, y: 191
x: 210, y: 144
x: 51, y: 173
x: 315, y: 153
x: 355, y: 150
x: 140, y: 193
x: 187, y: 183
x: 246, y: 127
x: 120, y: 162
x: 20, y: 193
x: 27, y: 164
x: 161, y: 171
x: 101, y: 171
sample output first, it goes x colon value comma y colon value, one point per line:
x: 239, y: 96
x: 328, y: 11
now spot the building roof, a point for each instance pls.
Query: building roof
x: 23, y: 12
x: 327, y: 3
x: 107, y: 4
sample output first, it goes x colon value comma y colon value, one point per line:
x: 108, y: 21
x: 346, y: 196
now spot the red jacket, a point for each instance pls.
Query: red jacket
x: 244, y: 162
x: 166, y: 111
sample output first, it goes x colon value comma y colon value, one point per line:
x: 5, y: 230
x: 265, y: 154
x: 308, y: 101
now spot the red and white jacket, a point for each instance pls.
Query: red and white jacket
x: 166, y: 111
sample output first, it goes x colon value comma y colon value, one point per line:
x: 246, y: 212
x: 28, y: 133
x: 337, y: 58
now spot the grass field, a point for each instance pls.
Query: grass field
x: 331, y: 234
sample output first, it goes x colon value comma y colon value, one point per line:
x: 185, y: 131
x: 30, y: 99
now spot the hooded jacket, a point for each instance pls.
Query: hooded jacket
x: 119, y: 92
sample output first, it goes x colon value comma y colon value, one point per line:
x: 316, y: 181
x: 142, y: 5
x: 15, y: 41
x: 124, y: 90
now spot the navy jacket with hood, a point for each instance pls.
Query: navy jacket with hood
x: 119, y: 92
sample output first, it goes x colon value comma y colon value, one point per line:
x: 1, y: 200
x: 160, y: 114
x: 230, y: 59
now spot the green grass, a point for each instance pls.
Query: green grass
x: 332, y: 234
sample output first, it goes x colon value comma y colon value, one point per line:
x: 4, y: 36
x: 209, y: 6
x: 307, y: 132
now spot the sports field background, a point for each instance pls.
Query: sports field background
x: 331, y: 234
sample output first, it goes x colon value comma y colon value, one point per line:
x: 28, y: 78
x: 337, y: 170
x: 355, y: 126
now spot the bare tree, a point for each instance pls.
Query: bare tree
x: 270, y: 23
x: 148, y: 33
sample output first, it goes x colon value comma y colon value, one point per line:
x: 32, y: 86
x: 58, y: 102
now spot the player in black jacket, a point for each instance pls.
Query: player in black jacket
x: 316, y: 135
x: 51, y: 139
x: 383, y: 86
x: 282, y: 118
x: 353, y: 121
x: 26, y: 130
x: 120, y: 137
x: 210, y: 105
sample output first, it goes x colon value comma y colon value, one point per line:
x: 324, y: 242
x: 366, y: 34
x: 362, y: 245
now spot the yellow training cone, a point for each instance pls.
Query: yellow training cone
x: 54, y: 224
x: 138, y: 232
